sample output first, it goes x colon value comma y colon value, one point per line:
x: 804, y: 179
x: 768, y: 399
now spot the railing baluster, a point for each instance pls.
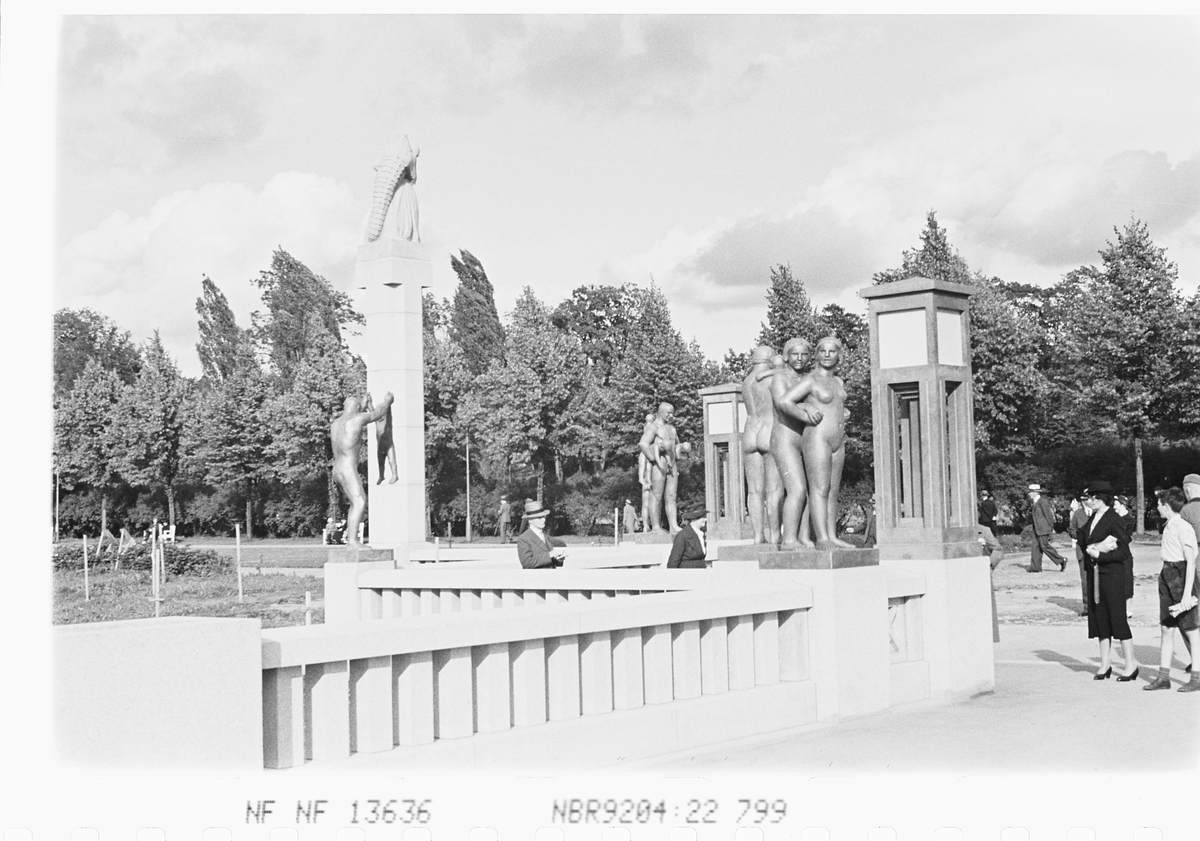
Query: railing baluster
x: 562, y: 677
x: 413, y: 698
x: 741, y: 652
x: 766, y: 649
x: 656, y: 654
x: 793, y: 645
x: 283, y: 717
x: 596, y: 673
x: 628, y: 681
x: 493, y: 712
x: 454, y: 714
x: 685, y: 659
x: 714, y: 656
x: 371, y: 704
x: 410, y: 602
x: 429, y: 602
x: 448, y: 601
x: 370, y: 604
x: 529, y: 682
x: 327, y: 710
x: 392, y: 604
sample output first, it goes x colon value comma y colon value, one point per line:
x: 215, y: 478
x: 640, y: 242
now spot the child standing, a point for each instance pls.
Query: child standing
x: 1177, y: 596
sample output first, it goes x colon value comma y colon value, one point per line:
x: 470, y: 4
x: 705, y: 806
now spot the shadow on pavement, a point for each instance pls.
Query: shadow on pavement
x: 1071, y: 663
x: 1073, y: 605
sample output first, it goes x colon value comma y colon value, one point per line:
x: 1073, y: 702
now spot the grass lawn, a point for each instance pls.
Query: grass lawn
x: 277, y: 600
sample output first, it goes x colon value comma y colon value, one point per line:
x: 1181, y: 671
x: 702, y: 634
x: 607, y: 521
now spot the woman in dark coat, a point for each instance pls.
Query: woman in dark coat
x: 1105, y: 544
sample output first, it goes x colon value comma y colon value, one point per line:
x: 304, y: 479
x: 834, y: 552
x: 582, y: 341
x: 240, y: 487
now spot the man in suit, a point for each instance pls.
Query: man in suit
x: 629, y: 518
x: 1043, y: 528
x: 533, y: 545
x: 690, y: 545
x: 1080, y: 514
x: 504, y: 515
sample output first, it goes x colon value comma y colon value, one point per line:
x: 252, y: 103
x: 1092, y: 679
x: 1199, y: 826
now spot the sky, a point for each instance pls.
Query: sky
x: 569, y: 150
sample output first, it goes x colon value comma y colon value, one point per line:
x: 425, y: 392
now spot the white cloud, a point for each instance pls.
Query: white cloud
x: 145, y: 272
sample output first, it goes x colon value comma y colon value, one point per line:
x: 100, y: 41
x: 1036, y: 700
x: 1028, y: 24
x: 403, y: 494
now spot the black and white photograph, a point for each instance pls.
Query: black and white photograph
x: 779, y: 423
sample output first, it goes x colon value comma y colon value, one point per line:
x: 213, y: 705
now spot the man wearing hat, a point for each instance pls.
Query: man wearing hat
x: 690, y: 546
x: 629, y: 518
x: 533, y: 544
x: 1043, y: 528
x: 504, y: 517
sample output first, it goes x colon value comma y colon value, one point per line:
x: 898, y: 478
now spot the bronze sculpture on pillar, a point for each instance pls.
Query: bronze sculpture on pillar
x: 764, y: 491
x: 822, y: 393
x: 660, y: 446
x: 787, y: 448
x: 345, y: 438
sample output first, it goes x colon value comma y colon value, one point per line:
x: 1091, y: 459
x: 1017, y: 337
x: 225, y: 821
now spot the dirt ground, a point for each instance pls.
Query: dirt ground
x: 1054, y: 598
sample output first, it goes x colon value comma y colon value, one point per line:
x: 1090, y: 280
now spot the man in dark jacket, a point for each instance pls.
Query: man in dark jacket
x: 1043, y: 528
x: 1079, y: 518
x: 535, y: 549
x: 690, y: 546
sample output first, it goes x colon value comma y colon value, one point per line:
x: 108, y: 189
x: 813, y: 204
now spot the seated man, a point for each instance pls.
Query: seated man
x: 535, y: 549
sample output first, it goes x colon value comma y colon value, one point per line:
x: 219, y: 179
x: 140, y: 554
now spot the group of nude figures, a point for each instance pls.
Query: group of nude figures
x: 793, y: 443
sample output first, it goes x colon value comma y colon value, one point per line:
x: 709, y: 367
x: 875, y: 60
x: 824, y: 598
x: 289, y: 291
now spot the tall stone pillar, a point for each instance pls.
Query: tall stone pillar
x: 393, y: 273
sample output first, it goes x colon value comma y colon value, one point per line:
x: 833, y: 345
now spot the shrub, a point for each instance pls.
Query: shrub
x: 180, y: 559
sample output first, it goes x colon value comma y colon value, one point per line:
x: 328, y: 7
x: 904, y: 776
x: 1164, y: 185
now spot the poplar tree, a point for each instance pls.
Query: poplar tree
x: 789, y: 310
x: 474, y: 322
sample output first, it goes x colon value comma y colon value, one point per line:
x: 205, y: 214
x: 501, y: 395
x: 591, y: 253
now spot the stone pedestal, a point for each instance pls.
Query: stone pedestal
x: 394, y: 272
x: 772, y: 557
x: 648, y: 538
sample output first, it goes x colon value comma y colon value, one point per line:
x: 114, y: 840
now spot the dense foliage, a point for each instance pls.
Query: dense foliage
x: 1097, y: 376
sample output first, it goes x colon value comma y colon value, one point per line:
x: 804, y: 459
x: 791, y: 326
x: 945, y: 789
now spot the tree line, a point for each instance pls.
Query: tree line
x: 1095, y: 377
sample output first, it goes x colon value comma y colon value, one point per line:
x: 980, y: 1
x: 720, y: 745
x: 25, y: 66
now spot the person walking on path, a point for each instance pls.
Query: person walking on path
x: 1191, y: 514
x: 504, y: 515
x: 1079, y: 518
x: 629, y: 518
x: 689, y: 548
x: 1043, y: 528
x: 1177, y: 589
x: 1103, y: 542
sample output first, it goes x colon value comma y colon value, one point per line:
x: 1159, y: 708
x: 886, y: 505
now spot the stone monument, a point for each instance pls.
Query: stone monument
x: 764, y: 487
x: 345, y: 439
x: 660, y: 446
x: 393, y: 268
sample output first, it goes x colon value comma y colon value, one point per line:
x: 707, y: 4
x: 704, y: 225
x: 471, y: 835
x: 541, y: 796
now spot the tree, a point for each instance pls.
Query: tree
x: 474, y: 322
x: 82, y: 335
x: 935, y: 259
x: 147, y: 432
x: 300, y: 417
x: 220, y: 336
x: 83, y: 437
x: 234, y: 432
x: 299, y: 304
x: 600, y: 318
x: 1117, y: 329
x: 789, y: 311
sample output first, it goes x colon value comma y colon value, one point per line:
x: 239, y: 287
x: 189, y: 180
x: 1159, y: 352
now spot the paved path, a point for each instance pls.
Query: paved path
x: 1046, y: 714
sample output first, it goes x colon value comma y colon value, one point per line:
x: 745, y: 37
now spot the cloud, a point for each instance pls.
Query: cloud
x: 145, y: 271
x: 1063, y: 210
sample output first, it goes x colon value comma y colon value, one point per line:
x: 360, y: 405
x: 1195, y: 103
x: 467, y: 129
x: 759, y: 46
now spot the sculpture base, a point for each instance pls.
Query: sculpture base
x: 644, y: 538
x: 930, y: 551
x: 358, y: 555
x: 771, y: 557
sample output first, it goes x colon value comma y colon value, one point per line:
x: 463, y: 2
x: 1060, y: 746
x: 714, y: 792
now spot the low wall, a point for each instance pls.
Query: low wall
x: 178, y: 691
x: 332, y: 691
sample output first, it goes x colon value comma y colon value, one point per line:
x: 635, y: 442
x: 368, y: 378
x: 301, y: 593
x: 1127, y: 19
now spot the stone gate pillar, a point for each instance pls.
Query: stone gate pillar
x: 394, y: 273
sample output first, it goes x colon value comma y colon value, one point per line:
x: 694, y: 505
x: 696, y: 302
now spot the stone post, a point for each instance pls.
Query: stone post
x: 393, y: 273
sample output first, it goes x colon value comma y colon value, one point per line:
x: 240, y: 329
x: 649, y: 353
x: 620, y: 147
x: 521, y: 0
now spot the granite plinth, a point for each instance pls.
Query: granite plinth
x: 771, y: 557
x: 643, y: 538
x: 929, y: 551
x: 358, y: 555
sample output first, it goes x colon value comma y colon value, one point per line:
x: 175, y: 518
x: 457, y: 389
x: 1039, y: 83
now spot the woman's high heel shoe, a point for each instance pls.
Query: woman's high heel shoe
x: 1105, y: 675
x: 1131, y: 676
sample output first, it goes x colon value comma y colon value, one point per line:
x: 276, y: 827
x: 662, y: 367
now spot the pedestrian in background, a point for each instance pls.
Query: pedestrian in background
x: 1177, y: 589
x: 1079, y: 517
x: 629, y: 518
x: 504, y: 515
x: 985, y: 528
x: 1102, y: 541
x: 1043, y: 529
x: 1128, y: 522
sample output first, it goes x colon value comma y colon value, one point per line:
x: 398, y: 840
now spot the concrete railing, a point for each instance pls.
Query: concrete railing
x: 578, y: 557
x: 423, y: 591
x: 335, y: 690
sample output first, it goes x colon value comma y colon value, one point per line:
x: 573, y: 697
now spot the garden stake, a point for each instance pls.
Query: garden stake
x: 86, y: 596
x: 616, y: 538
x: 237, y: 531
x: 307, y: 607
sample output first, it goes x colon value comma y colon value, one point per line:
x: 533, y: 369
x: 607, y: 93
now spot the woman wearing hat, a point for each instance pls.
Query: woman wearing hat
x: 1129, y: 523
x: 1104, y: 545
x: 689, y: 548
x: 533, y: 544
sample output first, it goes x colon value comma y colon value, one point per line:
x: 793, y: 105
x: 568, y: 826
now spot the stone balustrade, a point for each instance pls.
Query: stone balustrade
x: 590, y: 649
